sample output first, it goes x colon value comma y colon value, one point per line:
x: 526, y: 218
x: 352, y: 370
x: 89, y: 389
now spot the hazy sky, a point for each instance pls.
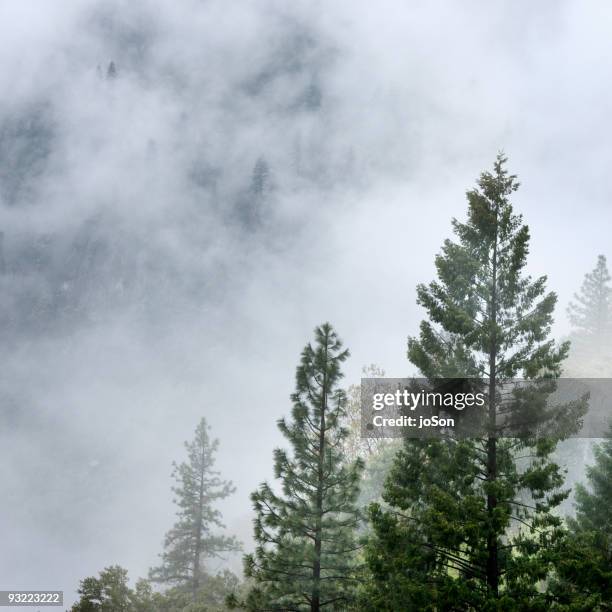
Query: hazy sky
x: 136, y: 299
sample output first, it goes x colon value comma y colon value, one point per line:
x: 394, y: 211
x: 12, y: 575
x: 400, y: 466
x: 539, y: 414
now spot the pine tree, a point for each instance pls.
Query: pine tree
x: 109, y: 592
x: 591, y: 316
x: 590, y: 356
x: 260, y: 180
x: 2, y: 260
x: 592, y: 310
x: 305, y: 555
x: 111, y: 71
x: 594, y: 505
x: 584, y: 566
x: 477, y: 521
x: 192, y: 540
x: 252, y: 203
x: 211, y: 596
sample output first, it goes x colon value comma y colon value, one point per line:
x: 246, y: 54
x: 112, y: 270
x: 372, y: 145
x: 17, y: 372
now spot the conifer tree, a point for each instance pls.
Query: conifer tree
x: 211, y: 596
x: 594, y: 504
x: 252, y: 203
x: 260, y: 180
x: 591, y: 312
x: 111, y: 71
x: 110, y: 592
x: 583, y: 579
x: 591, y: 316
x: 2, y: 260
x: 305, y: 554
x: 193, y: 538
x: 475, y: 520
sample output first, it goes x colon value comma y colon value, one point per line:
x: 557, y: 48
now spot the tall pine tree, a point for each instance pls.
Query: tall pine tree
x: 305, y: 555
x: 476, y: 515
x: 192, y: 539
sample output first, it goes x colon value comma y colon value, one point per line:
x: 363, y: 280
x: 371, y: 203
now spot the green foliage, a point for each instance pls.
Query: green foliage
x: 584, y: 576
x: 305, y: 557
x: 594, y: 505
x: 482, y: 300
x: 470, y: 523
x: 110, y: 592
x: 192, y: 539
x: 377, y: 467
x: 590, y: 357
x: 210, y: 597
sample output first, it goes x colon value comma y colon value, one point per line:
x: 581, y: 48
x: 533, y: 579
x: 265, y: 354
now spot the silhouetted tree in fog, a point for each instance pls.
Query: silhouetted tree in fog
x: 194, y: 537
x: 591, y: 315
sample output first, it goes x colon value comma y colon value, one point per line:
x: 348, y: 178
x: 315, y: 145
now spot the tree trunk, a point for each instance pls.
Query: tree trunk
x: 315, y: 603
x: 492, y: 541
x: 492, y: 557
x: 198, y: 534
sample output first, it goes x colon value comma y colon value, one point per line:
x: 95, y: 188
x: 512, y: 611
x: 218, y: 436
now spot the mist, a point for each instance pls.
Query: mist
x: 140, y: 289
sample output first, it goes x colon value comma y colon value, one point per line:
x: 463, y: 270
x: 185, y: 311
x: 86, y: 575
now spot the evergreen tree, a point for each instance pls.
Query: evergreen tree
x: 590, y: 356
x: 252, y: 202
x: 584, y: 566
x: 305, y: 554
x: 471, y: 521
x: 594, y: 505
x: 591, y: 317
x: 143, y: 597
x: 2, y: 260
x: 591, y: 312
x: 211, y: 596
x: 111, y: 71
x: 260, y: 180
x: 192, y: 540
x: 110, y: 592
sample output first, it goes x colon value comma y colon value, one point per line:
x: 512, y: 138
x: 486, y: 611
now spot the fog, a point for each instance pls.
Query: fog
x: 172, y: 233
